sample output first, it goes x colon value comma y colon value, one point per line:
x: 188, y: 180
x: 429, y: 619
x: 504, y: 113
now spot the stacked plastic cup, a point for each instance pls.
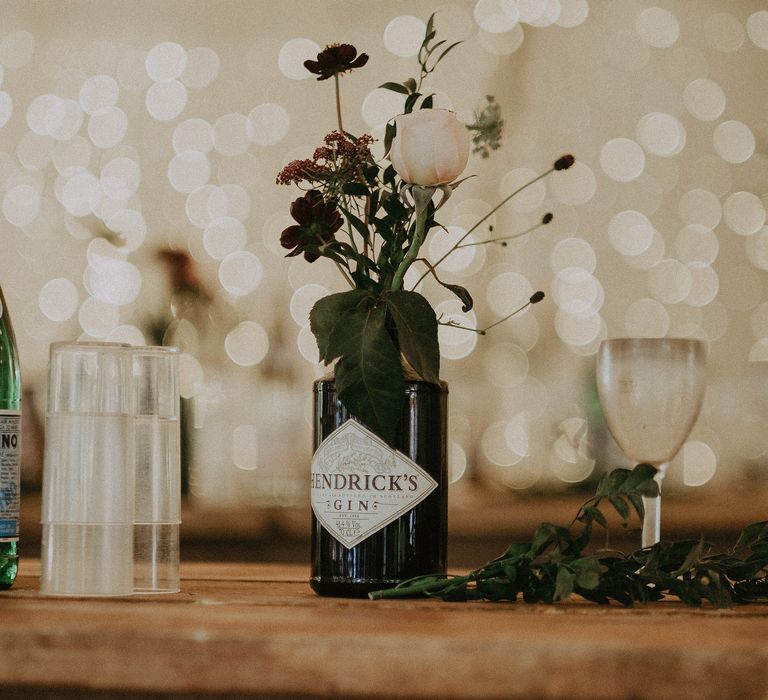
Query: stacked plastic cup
x: 88, y: 478
x: 111, y: 478
x: 158, y: 477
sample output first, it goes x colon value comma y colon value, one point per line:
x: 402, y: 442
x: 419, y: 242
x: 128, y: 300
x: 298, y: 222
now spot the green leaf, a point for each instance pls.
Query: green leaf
x: 564, y: 584
x: 390, y: 174
x: 389, y: 134
x: 616, y: 480
x: 356, y: 189
x: 417, y: 332
x: 463, y: 294
x: 545, y: 534
x: 621, y: 506
x: 593, y: 513
x: 349, y: 253
x: 588, y: 580
x: 716, y: 589
x: 751, y: 533
x: 455, y: 184
x: 445, y: 53
x: 515, y: 551
x: 356, y: 223
x: 637, y: 503
x: 434, y: 47
x: 692, y: 558
x: 427, y: 102
x: 587, y: 572
x: 395, y: 208
x: 411, y: 102
x: 641, y: 479
x: 369, y: 375
x: 753, y: 591
x: 606, y: 485
x: 510, y: 572
x: 430, y: 25
x: 395, y: 87
x: 384, y: 229
x: 329, y: 317
x: 371, y: 172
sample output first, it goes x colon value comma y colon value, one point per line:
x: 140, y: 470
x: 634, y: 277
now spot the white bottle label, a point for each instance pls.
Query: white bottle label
x: 360, y: 484
x: 10, y: 471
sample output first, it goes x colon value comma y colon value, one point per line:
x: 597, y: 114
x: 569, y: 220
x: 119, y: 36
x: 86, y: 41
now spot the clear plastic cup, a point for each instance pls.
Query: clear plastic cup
x: 158, y: 471
x: 88, y: 475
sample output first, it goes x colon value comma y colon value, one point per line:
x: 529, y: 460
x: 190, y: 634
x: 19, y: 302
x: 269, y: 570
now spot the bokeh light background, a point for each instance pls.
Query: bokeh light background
x: 127, y: 129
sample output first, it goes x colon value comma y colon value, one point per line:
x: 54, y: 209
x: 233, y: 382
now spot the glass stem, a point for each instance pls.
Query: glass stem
x: 652, y: 520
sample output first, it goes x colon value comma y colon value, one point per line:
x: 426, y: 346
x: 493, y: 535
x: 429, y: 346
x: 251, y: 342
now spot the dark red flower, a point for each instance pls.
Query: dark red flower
x: 335, y: 60
x: 316, y: 223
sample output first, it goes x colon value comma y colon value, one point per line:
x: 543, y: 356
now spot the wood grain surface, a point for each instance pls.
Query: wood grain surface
x: 256, y: 630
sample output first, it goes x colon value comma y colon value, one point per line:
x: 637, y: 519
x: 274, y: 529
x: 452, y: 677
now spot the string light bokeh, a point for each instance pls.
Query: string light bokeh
x: 129, y: 129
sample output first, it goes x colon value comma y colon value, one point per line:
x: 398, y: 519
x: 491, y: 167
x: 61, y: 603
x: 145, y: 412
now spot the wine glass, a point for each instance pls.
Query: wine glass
x: 651, y: 390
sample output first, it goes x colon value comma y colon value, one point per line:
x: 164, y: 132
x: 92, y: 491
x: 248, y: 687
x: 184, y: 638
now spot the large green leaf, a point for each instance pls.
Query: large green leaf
x: 369, y: 375
x: 416, y: 332
x: 329, y: 317
x: 351, y: 326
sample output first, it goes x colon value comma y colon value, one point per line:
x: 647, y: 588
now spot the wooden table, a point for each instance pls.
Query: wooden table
x: 480, y: 525
x: 240, y: 630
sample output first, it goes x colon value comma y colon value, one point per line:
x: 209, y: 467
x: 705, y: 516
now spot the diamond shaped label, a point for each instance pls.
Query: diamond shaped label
x: 360, y: 484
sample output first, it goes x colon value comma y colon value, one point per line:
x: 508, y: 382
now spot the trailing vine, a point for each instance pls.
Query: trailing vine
x: 557, y: 562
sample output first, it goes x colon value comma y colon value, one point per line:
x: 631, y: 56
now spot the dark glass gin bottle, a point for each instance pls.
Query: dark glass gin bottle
x: 10, y: 448
x: 379, y: 516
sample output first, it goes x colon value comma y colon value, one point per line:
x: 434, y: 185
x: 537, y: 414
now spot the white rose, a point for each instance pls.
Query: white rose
x: 431, y: 147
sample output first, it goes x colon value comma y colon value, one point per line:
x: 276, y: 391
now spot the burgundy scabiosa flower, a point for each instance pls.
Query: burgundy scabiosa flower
x: 335, y: 60
x: 316, y: 223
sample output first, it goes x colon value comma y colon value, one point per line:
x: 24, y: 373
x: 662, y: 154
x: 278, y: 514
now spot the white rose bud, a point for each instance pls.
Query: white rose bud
x: 431, y: 147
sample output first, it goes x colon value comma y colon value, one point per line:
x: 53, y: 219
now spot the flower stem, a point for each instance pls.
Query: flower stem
x: 426, y: 585
x: 535, y: 299
x: 421, y: 198
x: 338, y: 102
x: 345, y: 275
x: 503, y: 239
x: 458, y: 243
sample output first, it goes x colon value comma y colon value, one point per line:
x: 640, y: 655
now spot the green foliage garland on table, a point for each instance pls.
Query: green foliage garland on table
x: 556, y: 563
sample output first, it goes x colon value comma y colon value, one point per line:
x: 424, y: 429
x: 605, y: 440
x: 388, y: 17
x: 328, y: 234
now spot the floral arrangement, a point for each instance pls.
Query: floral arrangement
x: 372, y: 218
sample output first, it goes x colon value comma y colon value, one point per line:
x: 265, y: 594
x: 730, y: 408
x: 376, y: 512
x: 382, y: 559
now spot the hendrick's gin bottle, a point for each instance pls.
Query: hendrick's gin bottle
x: 379, y: 515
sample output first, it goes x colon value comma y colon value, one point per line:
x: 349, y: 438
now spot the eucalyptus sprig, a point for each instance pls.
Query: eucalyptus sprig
x: 557, y: 562
x: 429, y: 57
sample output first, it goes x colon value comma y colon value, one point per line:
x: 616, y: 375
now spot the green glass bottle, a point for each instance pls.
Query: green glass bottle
x: 10, y: 449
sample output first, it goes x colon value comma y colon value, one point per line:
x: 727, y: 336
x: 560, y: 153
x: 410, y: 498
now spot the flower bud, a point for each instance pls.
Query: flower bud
x: 431, y: 147
x: 564, y: 162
